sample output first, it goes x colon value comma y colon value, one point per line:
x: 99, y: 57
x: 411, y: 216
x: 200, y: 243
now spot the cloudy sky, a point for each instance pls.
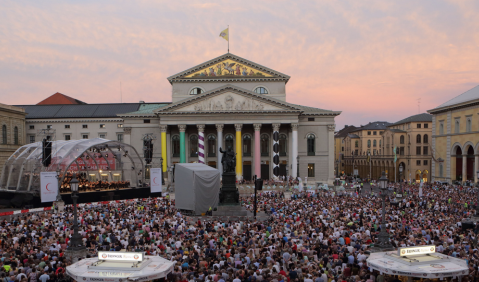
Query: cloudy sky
x: 371, y: 59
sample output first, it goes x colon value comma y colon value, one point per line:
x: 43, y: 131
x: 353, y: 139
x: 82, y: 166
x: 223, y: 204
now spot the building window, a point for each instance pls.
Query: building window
x: 418, y: 162
x: 119, y: 137
x: 426, y: 125
x: 211, y: 145
x: 282, y: 145
x: 49, y: 127
x: 119, y: 125
x: 441, y: 127
x: 468, y: 124
x: 175, y: 140
x: 424, y: 150
x: 193, y: 146
x: 84, y: 126
x: 375, y: 132
x: 310, y: 119
x: 247, y: 145
x: 196, y: 91
x: 441, y: 170
x: 102, y: 136
x: 456, y: 125
x: 356, y: 144
x: 67, y: 126
x: 418, y: 138
x: 102, y: 126
x: 31, y: 126
x: 425, y: 139
x: 261, y: 90
x: 401, y: 151
x: 401, y: 139
x: 418, y: 150
x: 32, y: 138
x: 264, y: 145
x: 229, y: 141
x: 418, y: 125
x: 85, y: 136
x: 311, y: 144
x: 380, y: 143
x: 369, y: 143
x: 424, y: 162
x: 342, y: 149
x: 67, y: 137
x: 15, y: 135
x: 374, y: 152
x: 4, y: 134
x: 310, y: 170
x: 369, y: 132
x: 146, y: 121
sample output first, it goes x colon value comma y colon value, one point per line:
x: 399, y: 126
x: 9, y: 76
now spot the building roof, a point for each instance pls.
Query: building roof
x: 345, y: 131
x: 468, y: 96
x: 375, y: 125
x: 60, y: 99
x: 353, y: 135
x: 80, y: 111
x: 146, y: 109
x: 415, y: 118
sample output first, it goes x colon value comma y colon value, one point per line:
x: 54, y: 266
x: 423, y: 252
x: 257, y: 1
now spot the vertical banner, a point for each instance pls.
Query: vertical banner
x: 155, y: 180
x: 49, y: 186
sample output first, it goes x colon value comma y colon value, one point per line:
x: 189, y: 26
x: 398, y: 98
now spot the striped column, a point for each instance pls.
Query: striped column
x: 219, y: 129
x: 276, y: 149
x: 182, y: 128
x: 201, y: 143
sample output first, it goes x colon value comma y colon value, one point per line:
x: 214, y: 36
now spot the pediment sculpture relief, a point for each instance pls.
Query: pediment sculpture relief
x: 228, y: 104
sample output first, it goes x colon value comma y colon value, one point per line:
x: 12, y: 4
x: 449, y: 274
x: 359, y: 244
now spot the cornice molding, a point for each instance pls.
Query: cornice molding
x: 73, y: 121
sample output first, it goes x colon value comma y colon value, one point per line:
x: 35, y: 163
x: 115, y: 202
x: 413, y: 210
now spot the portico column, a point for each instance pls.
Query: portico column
x: 464, y: 167
x: 276, y: 150
x: 295, y: 149
x: 219, y: 129
x: 201, y: 143
x: 182, y: 128
x: 476, y: 167
x: 239, y: 154
x: 257, y: 150
x: 164, y: 155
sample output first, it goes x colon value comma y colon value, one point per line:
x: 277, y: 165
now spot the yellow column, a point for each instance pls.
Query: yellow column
x: 239, y: 154
x: 164, y: 164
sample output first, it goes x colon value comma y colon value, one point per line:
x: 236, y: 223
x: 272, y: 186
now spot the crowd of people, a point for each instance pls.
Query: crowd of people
x: 322, y: 237
x: 87, y: 185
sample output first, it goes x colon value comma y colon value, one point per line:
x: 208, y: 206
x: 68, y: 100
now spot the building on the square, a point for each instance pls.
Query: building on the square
x: 12, y: 123
x: 340, y: 148
x: 455, y: 138
x: 411, y: 138
x: 225, y: 102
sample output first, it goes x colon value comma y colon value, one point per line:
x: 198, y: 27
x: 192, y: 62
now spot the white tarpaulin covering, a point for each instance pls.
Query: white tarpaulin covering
x: 156, y: 268
x: 435, y: 265
x: 197, y: 187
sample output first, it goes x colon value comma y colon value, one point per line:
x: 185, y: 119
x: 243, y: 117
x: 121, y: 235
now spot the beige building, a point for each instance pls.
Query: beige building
x: 12, y: 122
x: 340, y: 148
x: 455, y: 138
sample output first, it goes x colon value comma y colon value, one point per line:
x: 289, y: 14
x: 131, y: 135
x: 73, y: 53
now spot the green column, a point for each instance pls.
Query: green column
x: 182, y: 143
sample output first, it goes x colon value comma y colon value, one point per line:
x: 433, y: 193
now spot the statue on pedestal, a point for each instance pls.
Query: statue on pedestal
x: 228, y: 159
x: 229, y: 193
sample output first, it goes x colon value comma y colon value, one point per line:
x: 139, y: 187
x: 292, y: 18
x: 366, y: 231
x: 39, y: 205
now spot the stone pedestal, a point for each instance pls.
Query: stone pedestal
x: 74, y: 254
x: 60, y: 205
x: 229, y: 195
x: 230, y: 210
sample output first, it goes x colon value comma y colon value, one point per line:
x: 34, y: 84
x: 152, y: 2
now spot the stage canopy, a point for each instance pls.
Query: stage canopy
x: 97, y: 158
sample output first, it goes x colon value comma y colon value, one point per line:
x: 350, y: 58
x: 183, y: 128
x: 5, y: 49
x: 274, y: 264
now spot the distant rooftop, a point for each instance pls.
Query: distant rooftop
x: 60, y: 99
x: 344, y: 132
x: 415, y: 118
x: 375, y: 125
x: 469, y: 95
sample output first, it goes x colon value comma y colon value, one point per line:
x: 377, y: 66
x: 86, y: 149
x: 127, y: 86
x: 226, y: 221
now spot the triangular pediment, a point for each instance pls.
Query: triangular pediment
x: 228, y: 67
x: 228, y: 98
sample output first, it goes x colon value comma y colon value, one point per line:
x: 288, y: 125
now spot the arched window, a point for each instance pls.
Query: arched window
x: 247, y: 145
x: 228, y: 141
x: 211, y: 145
x: 425, y: 139
x: 264, y: 144
x: 418, y: 138
x: 374, y: 143
x: 369, y: 143
x: 311, y: 144
x: 401, y: 139
x: 261, y: 90
x: 4, y: 134
x: 194, y: 146
x: 282, y: 145
x: 175, y: 140
x: 15, y: 135
x: 196, y: 91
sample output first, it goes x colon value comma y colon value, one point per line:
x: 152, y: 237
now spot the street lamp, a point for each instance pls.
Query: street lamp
x: 337, y: 168
x: 98, y: 189
x: 400, y: 176
x: 162, y: 177
x: 383, y: 237
x: 297, y: 164
x: 59, y: 197
x: 76, y: 249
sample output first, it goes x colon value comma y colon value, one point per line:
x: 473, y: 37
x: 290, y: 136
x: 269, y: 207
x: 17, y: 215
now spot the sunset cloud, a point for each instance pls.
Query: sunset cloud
x: 370, y: 59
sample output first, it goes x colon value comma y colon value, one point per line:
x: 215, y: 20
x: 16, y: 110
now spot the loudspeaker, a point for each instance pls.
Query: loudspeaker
x: 258, y: 184
x: 467, y: 225
x: 47, y: 152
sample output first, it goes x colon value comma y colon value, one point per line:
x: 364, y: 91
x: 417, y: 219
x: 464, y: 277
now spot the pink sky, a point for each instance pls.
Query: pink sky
x: 371, y: 59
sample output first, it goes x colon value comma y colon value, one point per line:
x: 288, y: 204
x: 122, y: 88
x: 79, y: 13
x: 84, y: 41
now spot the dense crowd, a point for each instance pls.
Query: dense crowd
x: 320, y: 237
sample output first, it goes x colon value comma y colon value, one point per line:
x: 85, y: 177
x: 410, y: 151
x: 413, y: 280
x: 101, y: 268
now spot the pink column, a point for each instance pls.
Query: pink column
x: 257, y: 150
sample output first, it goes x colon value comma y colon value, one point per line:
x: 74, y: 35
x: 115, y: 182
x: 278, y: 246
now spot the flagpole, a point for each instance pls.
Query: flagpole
x: 229, y: 38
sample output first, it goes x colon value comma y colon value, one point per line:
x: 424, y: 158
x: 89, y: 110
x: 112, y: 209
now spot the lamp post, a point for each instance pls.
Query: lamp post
x: 162, y: 177
x: 383, y: 243
x: 98, y: 189
x: 297, y: 164
x: 400, y: 176
x: 337, y: 168
x: 76, y: 249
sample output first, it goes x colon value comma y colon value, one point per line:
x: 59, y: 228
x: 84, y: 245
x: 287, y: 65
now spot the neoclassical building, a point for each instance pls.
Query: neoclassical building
x: 225, y: 102
x: 12, y: 124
